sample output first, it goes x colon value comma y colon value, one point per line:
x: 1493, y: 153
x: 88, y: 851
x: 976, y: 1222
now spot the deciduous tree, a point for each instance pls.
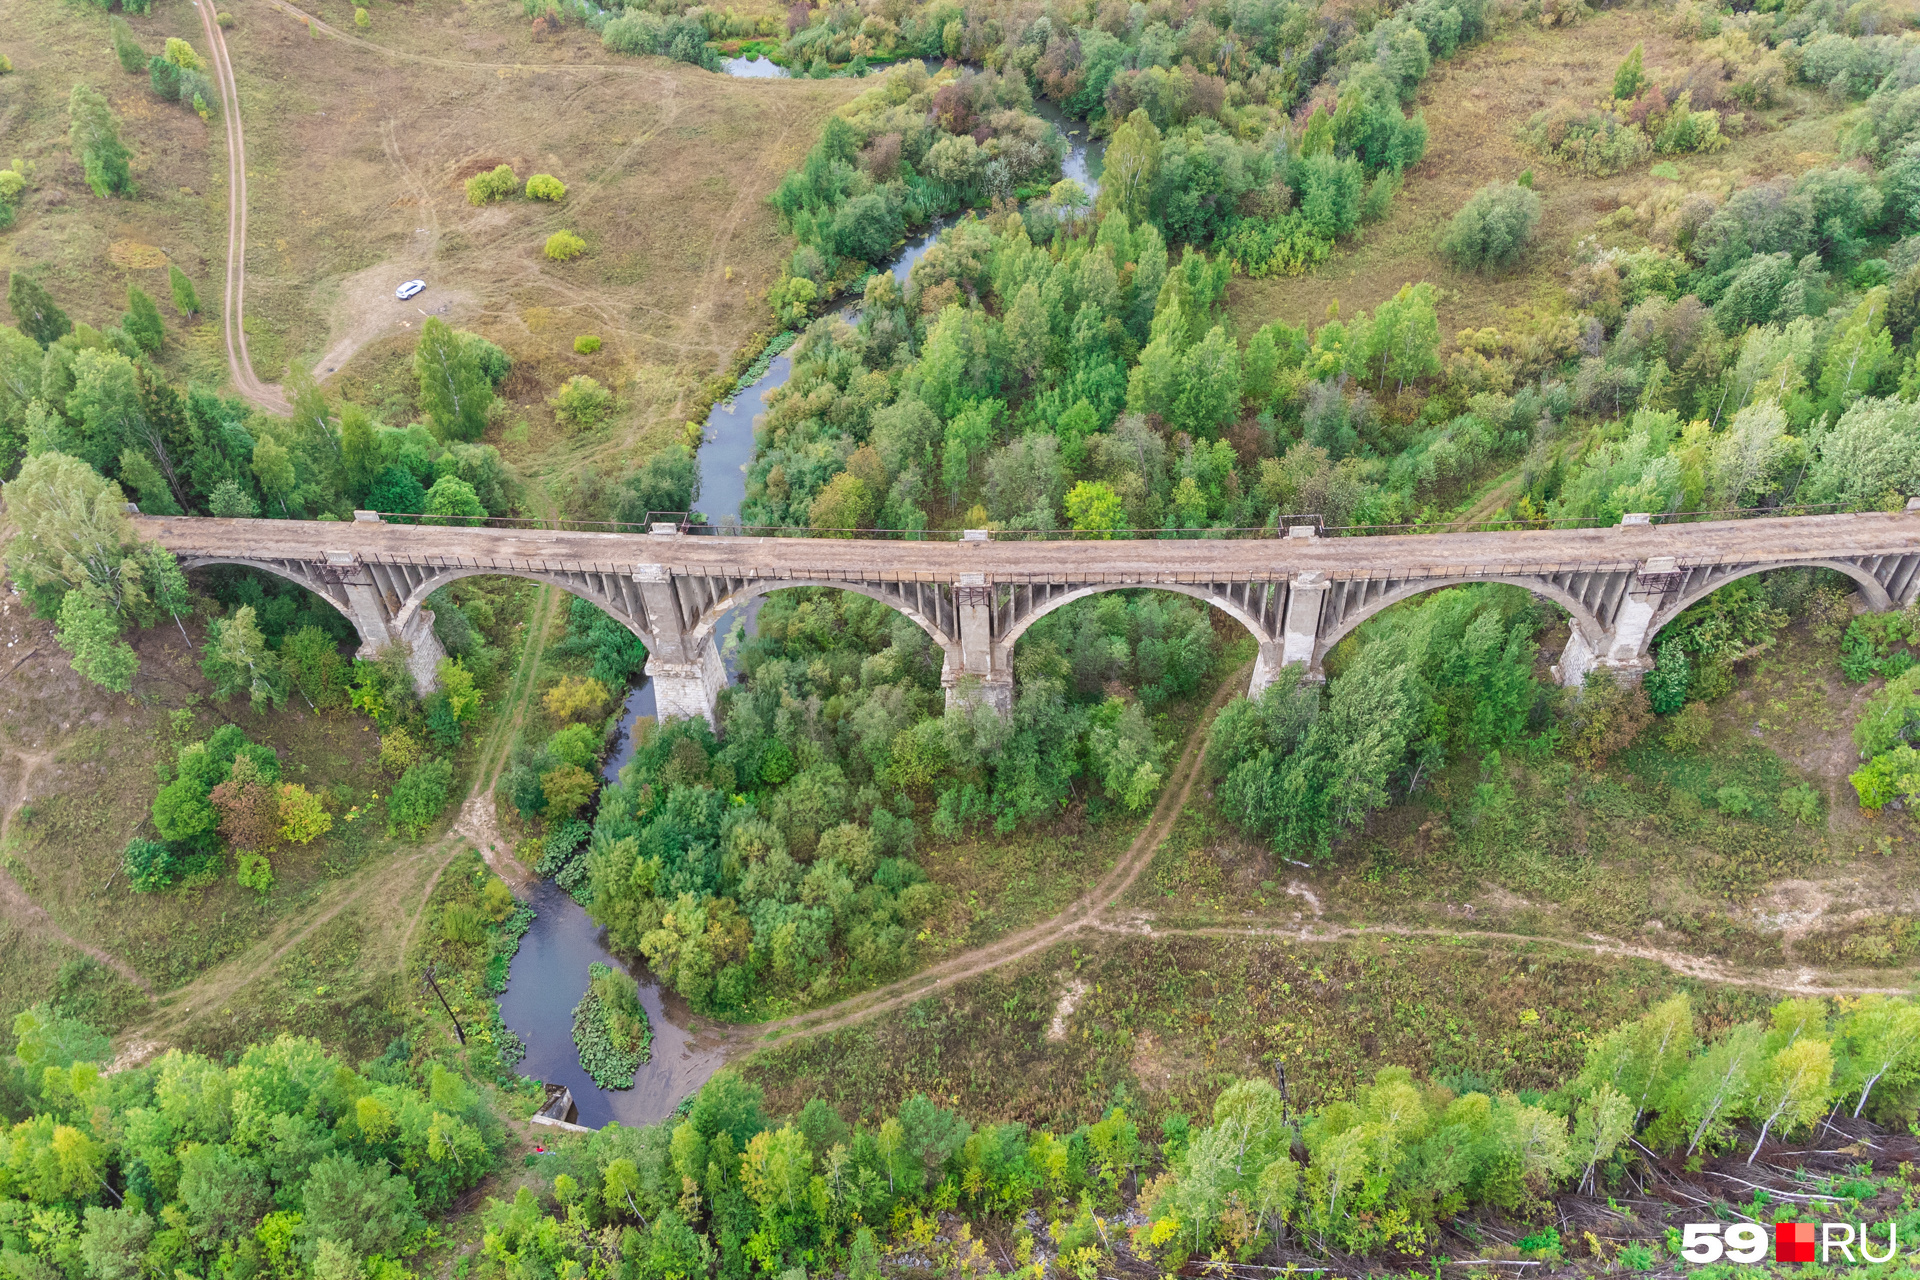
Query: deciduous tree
x: 454, y: 389
x: 237, y: 659
x: 185, y: 300
x: 93, y: 135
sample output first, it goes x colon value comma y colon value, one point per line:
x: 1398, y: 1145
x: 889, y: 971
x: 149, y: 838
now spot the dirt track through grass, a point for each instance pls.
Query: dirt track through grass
x: 232, y: 319
x: 16, y: 902
x: 387, y: 891
x: 1084, y: 913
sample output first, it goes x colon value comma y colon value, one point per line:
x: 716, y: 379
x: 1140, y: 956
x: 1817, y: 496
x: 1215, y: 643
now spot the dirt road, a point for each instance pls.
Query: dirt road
x: 265, y: 395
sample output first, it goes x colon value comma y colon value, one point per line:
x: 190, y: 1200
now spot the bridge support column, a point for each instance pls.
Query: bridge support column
x: 1266, y: 667
x: 1623, y: 649
x: 689, y: 689
x: 687, y: 674
x: 976, y: 680
x: 424, y: 651
x: 373, y: 619
x: 1300, y: 639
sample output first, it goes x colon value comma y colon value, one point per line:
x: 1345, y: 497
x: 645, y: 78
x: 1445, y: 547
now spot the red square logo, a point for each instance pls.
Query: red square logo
x: 1793, y: 1242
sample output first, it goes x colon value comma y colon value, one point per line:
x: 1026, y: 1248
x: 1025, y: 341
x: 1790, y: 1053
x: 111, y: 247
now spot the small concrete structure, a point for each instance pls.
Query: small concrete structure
x: 1298, y: 595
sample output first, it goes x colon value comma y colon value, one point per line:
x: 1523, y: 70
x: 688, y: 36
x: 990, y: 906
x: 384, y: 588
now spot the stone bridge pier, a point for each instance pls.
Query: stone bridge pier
x: 1297, y: 596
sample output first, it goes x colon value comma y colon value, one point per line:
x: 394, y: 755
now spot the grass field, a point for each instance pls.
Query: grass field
x: 1162, y: 1023
x: 360, y: 184
x: 1476, y: 105
x: 359, y: 144
x: 87, y: 250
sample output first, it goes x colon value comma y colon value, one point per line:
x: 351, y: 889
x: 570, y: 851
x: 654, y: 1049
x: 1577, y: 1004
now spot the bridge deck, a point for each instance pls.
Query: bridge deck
x: 1446, y: 555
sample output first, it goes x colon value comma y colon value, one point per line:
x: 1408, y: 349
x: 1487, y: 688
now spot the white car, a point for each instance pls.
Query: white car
x: 409, y: 289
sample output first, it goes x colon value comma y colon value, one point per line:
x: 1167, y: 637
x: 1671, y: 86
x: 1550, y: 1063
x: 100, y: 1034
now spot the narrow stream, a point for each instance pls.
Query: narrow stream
x: 549, y: 973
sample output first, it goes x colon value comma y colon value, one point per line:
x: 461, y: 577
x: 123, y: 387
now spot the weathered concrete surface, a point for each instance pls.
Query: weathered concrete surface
x: 1297, y: 595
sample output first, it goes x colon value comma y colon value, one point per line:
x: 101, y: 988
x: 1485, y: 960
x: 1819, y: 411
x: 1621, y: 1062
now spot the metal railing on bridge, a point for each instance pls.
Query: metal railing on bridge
x: 1296, y: 525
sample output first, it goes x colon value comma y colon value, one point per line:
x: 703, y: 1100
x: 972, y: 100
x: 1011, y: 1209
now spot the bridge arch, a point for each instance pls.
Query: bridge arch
x: 1333, y: 632
x: 1871, y: 589
x: 416, y: 599
x: 703, y: 627
x: 297, y: 572
x: 1006, y: 643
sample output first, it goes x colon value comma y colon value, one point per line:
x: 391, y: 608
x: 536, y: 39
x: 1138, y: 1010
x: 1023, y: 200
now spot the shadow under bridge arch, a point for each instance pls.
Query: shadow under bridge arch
x: 1885, y: 582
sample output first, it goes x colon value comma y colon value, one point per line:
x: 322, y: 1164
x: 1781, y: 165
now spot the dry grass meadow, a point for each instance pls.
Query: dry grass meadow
x: 1476, y: 106
x: 358, y: 146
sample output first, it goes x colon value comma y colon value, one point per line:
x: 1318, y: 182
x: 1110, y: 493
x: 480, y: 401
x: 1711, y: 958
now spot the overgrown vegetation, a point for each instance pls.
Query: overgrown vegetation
x: 611, y: 1028
x: 778, y: 863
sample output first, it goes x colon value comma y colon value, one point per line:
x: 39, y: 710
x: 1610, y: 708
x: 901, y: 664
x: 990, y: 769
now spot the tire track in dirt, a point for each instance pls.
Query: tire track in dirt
x: 476, y: 821
x: 1084, y: 913
x: 221, y: 984
x: 15, y: 901
x: 1800, y: 982
x: 233, y: 319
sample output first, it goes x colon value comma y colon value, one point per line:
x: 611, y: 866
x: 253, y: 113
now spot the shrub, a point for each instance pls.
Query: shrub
x: 149, y: 865
x: 586, y: 344
x: 576, y: 698
x: 255, y: 872
x: 566, y: 789
x: 1690, y: 729
x: 6, y: 65
x: 682, y: 38
x: 577, y: 744
x: 564, y: 246
x: 1631, y: 76
x: 399, y: 751
x: 497, y: 901
x: 1493, y: 227
x: 133, y: 59
x: 1667, y: 683
x: 581, y: 402
x: 1274, y: 246
x: 461, y: 923
x: 361, y: 20
x: 1733, y: 799
x: 302, y: 816
x: 417, y: 799
x: 484, y: 188
x: 1595, y: 142
x: 1801, y: 803
x: 181, y: 55
x: 1687, y: 131
x: 544, y: 186
x: 1605, y: 718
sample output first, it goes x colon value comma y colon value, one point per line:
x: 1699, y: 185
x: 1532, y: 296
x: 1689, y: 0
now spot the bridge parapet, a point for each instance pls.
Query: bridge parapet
x: 975, y: 598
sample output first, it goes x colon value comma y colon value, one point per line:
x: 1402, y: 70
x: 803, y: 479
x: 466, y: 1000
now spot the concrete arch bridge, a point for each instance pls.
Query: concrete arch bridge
x: 1297, y: 595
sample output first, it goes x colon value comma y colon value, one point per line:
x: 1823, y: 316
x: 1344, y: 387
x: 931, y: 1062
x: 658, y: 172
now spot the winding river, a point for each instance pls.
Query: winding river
x: 548, y: 975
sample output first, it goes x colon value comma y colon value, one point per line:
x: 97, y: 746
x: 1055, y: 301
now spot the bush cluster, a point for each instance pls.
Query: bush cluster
x: 1493, y: 228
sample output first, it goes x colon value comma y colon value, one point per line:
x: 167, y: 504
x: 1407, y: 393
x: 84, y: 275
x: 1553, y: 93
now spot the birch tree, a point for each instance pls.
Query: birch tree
x: 1793, y: 1088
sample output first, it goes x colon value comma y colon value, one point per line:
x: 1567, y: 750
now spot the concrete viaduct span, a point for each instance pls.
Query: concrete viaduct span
x: 1298, y: 595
